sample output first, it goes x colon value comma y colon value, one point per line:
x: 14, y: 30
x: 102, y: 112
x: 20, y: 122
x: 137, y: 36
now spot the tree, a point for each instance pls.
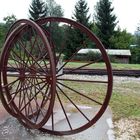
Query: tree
x: 135, y: 49
x: 137, y: 35
x: 9, y: 20
x: 105, y: 21
x: 121, y: 39
x: 53, y: 9
x: 81, y: 13
x: 76, y: 38
x: 135, y: 55
x: 37, y: 9
x: 3, y: 31
x: 4, y: 27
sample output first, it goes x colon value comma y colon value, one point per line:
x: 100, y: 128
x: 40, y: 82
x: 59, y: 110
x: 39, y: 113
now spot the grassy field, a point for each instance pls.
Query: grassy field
x: 99, y: 65
x: 125, y: 101
x: 102, y: 66
x: 125, y: 105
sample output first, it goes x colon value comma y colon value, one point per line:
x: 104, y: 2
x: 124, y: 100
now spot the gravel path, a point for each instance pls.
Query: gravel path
x: 103, y: 77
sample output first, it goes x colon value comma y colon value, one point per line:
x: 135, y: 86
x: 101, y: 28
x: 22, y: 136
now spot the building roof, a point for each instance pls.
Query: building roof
x: 116, y: 52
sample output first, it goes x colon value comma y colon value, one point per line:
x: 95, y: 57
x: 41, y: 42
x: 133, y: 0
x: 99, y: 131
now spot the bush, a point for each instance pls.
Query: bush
x: 135, y: 55
x: 90, y: 56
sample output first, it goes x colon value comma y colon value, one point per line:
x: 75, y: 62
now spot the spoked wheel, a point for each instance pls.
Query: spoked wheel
x: 27, y: 65
x: 80, y: 100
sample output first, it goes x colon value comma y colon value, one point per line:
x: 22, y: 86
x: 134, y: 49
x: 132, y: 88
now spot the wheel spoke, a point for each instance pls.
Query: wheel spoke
x: 79, y: 93
x: 9, y: 102
x: 22, y: 89
x: 30, y: 106
x: 74, y: 104
x: 22, y: 63
x: 64, y: 110
x: 11, y: 83
x: 32, y: 97
x: 33, y: 59
x: 39, y: 89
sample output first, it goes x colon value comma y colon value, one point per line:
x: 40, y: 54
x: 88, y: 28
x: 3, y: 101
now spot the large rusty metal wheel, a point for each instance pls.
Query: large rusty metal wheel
x: 31, y: 77
x: 80, y: 100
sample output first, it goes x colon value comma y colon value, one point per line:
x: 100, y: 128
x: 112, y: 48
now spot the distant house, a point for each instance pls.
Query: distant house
x: 119, y: 55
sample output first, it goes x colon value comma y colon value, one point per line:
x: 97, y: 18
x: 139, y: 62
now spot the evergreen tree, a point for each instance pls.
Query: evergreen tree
x: 76, y: 38
x: 37, y: 9
x: 54, y: 10
x: 81, y: 13
x: 105, y: 21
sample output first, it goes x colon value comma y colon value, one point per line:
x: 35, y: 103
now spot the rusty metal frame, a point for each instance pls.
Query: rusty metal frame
x: 9, y: 103
x: 16, y: 31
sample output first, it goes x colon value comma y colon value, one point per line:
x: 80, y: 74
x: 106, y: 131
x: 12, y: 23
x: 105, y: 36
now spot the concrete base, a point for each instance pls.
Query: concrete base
x: 11, y: 129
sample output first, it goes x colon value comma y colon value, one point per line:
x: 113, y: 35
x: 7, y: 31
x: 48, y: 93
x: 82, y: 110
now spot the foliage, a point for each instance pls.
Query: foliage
x: 56, y: 33
x: 3, y: 30
x: 90, y: 56
x: 9, y: 20
x: 137, y: 36
x: 81, y: 13
x: 121, y: 39
x: 135, y: 49
x: 94, y: 28
x: 71, y: 42
x: 105, y: 21
x: 45, y: 9
x: 75, y: 38
x: 37, y: 9
x: 135, y: 55
x: 53, y: 9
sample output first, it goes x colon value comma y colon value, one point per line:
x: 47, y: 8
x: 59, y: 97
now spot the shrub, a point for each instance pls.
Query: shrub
x: 90, y: 56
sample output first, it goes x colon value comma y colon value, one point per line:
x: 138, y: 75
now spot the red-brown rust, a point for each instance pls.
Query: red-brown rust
x: 27, y: 85
x: 109, y: 81
x: 33, y: 77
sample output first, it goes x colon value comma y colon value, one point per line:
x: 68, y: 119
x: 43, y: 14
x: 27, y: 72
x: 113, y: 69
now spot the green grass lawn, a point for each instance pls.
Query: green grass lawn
x: 125, y: 101
x: 102, y: 66
x: 125, y: 66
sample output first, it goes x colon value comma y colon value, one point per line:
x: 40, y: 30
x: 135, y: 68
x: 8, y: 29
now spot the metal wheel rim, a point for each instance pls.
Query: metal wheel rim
x: 109, y: 74
x: 14, y: 107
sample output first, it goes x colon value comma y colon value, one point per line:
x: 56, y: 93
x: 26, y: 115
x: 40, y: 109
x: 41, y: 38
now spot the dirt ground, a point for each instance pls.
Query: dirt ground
x: 127, y: 129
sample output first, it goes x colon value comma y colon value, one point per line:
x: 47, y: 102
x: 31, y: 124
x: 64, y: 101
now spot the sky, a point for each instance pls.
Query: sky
x: 127, y: 11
